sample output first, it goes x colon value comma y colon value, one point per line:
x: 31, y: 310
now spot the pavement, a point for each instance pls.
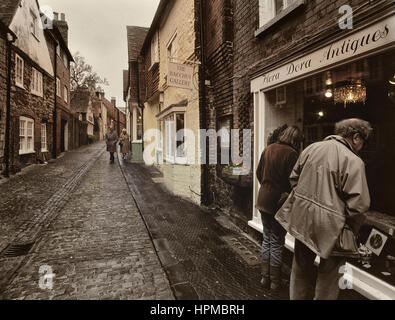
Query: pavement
x: 82, y: 228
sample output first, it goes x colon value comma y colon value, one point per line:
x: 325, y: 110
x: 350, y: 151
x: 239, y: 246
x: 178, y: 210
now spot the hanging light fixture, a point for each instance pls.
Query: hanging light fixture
x: 329, y: 93
x: 354, y: 92
x: 392, y: 80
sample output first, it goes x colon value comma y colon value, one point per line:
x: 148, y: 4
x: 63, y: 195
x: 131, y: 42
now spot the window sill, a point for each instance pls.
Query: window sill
x: 19, y: 85
x: 21, y: 153
x: 279, y: 17
x: 37, y: 94
x: 44, y: 150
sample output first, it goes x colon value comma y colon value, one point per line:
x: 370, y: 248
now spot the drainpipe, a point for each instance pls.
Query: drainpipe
x: 55, y: 125
x: 11, y: 38
x: 205, y: 191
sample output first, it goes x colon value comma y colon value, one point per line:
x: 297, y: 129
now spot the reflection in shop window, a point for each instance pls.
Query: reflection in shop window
x: 362, y: 89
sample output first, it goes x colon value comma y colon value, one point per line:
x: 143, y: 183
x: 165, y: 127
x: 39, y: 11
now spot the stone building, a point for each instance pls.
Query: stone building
x: 57, y: 39
x: 170, y: 63
x: 32, y: 86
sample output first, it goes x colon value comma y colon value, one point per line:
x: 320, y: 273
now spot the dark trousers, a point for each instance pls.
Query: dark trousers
x: 306, y: 283
x: 111, y: 156
x: 273, y: 240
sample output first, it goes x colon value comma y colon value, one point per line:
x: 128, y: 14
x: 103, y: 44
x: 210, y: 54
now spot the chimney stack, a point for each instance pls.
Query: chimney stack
x: 62, y: 25
x: 114, y: 102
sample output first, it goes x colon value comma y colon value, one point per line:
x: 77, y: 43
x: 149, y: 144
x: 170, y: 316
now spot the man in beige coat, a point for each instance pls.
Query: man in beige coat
x: 329, y: 190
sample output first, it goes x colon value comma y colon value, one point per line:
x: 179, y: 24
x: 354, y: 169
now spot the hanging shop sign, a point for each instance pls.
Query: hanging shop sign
x: 379, y: 35
x: 180, y: 76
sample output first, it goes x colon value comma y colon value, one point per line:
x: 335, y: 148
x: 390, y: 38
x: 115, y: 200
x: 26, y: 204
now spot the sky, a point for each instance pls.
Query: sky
x: 97, y: 29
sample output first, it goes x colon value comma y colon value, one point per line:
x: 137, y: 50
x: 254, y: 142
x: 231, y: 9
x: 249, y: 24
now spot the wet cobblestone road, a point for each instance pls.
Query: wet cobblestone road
x: 91, y: 233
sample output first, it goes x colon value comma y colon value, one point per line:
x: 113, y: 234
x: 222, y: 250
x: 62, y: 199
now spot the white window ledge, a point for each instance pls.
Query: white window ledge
x: 26, y: 152
x: 279, y: 17
x: 19, y: 85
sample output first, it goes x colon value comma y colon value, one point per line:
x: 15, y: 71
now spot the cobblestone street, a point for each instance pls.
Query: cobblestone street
x: 91, y: 233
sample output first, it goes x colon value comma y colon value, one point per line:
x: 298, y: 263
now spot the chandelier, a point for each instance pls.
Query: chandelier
x: 355, y: 92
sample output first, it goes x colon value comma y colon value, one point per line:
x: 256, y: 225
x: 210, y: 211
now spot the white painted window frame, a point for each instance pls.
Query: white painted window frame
x: 172, y: 48
x: 19, y: 76
x: 268, y: 15
x: 37, y: 82
x: 66, y: 93
x: 23, y: 149
x: 44, y: 145
x: 170, y: 141
x: 34, y: 25
x: 58, y: 86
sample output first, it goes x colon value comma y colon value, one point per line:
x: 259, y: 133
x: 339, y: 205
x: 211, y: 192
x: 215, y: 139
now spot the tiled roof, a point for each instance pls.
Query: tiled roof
x: 136, y: 37
x: 80, y: 101
x: 7, y: 10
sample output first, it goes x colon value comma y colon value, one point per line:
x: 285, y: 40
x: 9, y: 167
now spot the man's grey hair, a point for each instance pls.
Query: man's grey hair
x: 347, y: 128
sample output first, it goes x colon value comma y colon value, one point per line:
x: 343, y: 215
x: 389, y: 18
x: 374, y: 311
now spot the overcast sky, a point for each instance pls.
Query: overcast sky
x: 97, y: 29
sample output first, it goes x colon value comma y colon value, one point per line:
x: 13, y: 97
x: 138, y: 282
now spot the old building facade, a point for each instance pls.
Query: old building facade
x: 57, y: 39
x: 32, y: 87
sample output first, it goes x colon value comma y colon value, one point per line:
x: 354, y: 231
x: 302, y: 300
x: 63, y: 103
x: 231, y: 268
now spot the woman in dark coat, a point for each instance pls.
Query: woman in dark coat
x: 111, y: 140
x: 275, y: 166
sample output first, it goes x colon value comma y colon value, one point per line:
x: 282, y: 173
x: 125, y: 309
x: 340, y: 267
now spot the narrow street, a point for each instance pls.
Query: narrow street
x: 93, y: 237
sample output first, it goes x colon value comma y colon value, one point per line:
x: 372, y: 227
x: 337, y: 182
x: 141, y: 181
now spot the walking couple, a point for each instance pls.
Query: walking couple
x: 112, y: 140
x: 313, y: 197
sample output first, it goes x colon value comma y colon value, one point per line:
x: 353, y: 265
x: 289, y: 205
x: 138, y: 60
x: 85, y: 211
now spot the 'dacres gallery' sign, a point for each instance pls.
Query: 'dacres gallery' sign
x: 377, y: 36
x: 180, y: 76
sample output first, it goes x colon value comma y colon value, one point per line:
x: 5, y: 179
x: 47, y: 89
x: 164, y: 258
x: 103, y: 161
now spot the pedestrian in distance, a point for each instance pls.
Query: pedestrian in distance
x: 275, y: 166
x: 111, y: 140
x: 328, y: 199
x: 124, y: 143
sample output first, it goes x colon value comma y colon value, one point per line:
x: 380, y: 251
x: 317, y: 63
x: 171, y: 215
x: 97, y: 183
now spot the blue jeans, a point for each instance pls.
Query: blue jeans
x: 273, y: 240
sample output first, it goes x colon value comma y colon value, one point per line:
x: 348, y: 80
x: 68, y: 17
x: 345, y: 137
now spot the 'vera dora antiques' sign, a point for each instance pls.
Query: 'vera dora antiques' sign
x: 377, y: 36
x: 180, y: 76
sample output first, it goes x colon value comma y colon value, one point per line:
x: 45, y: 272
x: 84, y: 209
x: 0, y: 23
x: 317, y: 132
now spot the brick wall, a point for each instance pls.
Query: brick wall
x: 297, y: 32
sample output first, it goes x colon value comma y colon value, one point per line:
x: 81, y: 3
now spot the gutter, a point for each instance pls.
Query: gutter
x: 9, y: 42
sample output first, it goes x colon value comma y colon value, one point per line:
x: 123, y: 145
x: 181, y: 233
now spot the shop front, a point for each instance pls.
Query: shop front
x: 351, y: 77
